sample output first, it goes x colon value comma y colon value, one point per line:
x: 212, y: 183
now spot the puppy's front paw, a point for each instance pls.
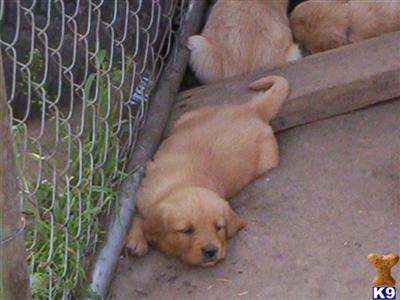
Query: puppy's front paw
x: 136, y: 243
x: 137, y: 246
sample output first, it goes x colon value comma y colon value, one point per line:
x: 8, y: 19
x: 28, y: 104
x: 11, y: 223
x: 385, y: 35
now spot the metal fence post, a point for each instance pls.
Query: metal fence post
x: 13, y: 267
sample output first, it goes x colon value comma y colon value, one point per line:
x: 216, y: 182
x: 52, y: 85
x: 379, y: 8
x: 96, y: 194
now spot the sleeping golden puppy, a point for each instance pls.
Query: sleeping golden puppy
x: 211, y: 154
x: 241, y: 36
x: 322, y: 25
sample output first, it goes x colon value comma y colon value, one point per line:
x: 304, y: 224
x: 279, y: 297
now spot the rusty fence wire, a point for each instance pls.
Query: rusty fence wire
x: 79, y: 75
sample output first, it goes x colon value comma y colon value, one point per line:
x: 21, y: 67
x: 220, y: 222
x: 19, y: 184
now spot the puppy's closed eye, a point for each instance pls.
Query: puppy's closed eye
x: 187, y: 231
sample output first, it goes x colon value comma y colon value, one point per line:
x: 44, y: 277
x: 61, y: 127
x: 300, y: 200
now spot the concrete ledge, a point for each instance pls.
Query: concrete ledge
x: 322, y: 85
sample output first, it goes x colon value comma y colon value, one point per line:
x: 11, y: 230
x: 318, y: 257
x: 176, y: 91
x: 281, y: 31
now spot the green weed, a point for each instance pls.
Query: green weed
x: 65, y: 223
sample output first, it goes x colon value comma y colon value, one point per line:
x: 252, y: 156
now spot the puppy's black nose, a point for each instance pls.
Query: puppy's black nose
x: 209, y: 251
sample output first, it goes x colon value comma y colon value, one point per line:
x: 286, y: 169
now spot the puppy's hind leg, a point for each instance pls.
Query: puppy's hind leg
x: 136, y: 242
x: 268, y: 157
x: 204, y: 60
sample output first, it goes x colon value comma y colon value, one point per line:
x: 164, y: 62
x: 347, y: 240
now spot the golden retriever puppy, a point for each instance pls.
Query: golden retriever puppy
x: 211, y: 154
x: 320, y: 25
x: 241, y: 36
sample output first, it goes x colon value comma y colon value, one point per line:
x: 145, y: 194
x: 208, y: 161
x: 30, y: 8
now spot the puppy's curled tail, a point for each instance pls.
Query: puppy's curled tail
x: 275, y: 90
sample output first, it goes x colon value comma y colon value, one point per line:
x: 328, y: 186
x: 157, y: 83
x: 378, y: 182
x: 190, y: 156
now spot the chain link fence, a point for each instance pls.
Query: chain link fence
x: 78, y: 76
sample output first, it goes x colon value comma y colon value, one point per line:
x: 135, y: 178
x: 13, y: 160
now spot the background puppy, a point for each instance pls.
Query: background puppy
x: 241, y: 36
x: 321, y: 25
x: 211, y: 155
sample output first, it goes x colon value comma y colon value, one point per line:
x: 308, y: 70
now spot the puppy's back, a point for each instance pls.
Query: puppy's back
x: 241, y: 36
x: 372, y: 18
x: 320, y: 25
x: 249, y: 34
x: 218, y: 147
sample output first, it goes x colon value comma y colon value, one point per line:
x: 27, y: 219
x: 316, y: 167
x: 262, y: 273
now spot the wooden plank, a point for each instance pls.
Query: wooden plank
x: 322, y: 85
x: 13, y: 266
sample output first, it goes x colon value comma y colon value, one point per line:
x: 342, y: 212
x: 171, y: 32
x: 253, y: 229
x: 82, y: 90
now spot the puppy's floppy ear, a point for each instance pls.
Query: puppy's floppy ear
x: 233, y: 222
x: 156, y: 222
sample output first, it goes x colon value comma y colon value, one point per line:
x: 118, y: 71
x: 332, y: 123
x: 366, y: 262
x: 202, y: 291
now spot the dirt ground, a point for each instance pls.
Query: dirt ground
x: 310, y: 223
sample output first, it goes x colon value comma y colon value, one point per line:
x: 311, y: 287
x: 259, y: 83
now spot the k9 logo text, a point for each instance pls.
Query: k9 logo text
x: 383, y: 292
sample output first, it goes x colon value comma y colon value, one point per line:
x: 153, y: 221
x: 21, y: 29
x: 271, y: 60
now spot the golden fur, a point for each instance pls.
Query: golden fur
x: 211, y: 154
x: 322, y: 25
x: 241, y: 36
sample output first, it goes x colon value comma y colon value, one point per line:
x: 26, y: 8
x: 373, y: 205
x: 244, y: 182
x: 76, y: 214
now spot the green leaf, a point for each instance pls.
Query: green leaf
x: 100, y: 55
x: 88, y: 85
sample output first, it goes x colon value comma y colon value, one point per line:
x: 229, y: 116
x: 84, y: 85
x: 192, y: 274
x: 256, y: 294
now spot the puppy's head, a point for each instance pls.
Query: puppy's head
x: 193, y: 225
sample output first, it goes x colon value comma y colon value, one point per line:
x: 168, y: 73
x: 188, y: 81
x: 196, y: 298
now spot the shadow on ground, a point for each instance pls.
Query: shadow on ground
x: 310, y: 223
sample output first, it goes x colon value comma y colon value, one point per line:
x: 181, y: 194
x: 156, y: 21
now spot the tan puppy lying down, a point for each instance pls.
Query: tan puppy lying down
x: 211, y: 155
x: 322, y: 25
x: 241, y: 36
